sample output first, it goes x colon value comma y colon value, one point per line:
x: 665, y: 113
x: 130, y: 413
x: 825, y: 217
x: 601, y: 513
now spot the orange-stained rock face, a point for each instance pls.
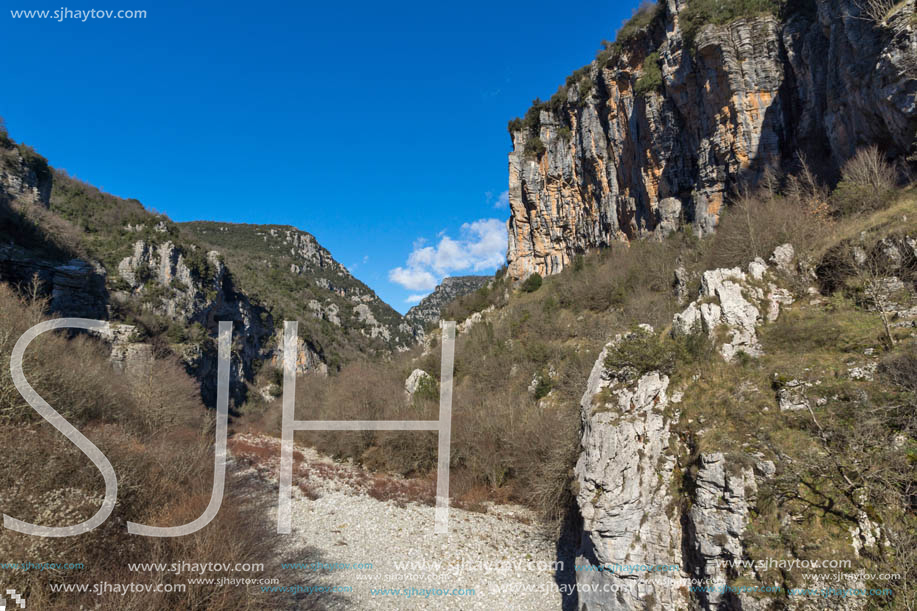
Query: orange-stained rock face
x: 741, y: 100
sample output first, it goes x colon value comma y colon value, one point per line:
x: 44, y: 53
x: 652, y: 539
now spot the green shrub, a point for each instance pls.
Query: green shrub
x: 606, y: 58
x: 699, y: 13
x: 557, y: 100
x: 427, y: 389
x: 651, y: 79
x: 35, y: 162
x: 586, y: 85
x: 642, y: 18
x: 532, y: 119
x: 543, y: 387
x: 5, y: 141
x: 578, y: 75
x: 564, y: 133
x: 198, y: 262
x: 642, y: 351
x: 532, y: 283
x: 534, y: 147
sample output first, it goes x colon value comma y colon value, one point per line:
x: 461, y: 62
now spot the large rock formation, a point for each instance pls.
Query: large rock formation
x: 24, y: 175
x: 655, y: 132
x: 735, y: 302
x: 623, y: 476
x: 662, y: 522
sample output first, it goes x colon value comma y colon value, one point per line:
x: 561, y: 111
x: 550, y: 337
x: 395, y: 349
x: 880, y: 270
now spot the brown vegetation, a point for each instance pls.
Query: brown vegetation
x: 159, y: 439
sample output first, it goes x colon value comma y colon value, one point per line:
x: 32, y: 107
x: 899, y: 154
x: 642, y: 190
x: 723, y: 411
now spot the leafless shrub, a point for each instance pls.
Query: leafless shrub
x: 159, y: 439
x: 882, y: 13
x: 867, y: 183
x: 758, y: 221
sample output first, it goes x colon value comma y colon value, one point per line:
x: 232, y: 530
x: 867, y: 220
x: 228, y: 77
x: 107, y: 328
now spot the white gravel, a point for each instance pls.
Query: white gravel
x: 343, y: 526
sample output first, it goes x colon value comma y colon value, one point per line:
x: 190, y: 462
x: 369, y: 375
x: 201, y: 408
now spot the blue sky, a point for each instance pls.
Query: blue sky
x: 378, y: 127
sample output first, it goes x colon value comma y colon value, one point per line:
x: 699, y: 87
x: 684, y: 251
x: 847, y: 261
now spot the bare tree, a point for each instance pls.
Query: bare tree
x: 870, y: 271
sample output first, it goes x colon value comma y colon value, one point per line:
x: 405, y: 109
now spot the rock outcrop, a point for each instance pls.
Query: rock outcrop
x: 655, y: 132
x: 24, y: 175
x: 723, y: 496
x: 75, y: 287
x: 297, y: 278
x: 416, y: 380
x: 735, y: 303
x: 649, y: 496
x: 623, y: 476
x: 161, y: 278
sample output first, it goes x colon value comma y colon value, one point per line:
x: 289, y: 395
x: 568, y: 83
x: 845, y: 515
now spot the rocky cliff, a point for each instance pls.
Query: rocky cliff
x: 693, y: 98
x: 75, y: 286
x: 427, y: 311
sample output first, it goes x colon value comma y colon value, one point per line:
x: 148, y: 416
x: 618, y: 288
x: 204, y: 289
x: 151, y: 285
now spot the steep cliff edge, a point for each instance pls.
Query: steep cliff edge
x: 693, y: 98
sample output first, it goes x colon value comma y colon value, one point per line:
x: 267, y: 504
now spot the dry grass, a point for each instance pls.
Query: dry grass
x: 159, y: 439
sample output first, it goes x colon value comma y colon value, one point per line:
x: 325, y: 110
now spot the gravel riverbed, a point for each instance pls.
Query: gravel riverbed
x: 367, y: 538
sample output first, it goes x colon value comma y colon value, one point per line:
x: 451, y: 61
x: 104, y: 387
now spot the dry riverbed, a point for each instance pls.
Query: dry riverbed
x: 370, y: 537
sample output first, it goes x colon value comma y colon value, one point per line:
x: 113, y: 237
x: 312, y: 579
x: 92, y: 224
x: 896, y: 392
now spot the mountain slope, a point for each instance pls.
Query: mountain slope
x: 295, y: 278
x: 428, y: 311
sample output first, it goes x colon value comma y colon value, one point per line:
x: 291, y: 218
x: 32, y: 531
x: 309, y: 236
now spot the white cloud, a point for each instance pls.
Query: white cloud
x: 413, y: 279
x: 502, y: 201
x: 481, y: 245
x: 412, y: 299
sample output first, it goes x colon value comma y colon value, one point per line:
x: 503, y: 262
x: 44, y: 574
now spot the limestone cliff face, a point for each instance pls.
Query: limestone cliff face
x: 160, y: 277
x: 24, y: 176
x: 655, y: 134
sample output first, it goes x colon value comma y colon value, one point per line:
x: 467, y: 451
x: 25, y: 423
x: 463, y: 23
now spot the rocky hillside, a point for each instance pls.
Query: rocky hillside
x: 295, y: 278
x: 740, y: 404
x: 427, y: 312
x: 99, y: 256
x: 694, y: 97
x: 790, y: 428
